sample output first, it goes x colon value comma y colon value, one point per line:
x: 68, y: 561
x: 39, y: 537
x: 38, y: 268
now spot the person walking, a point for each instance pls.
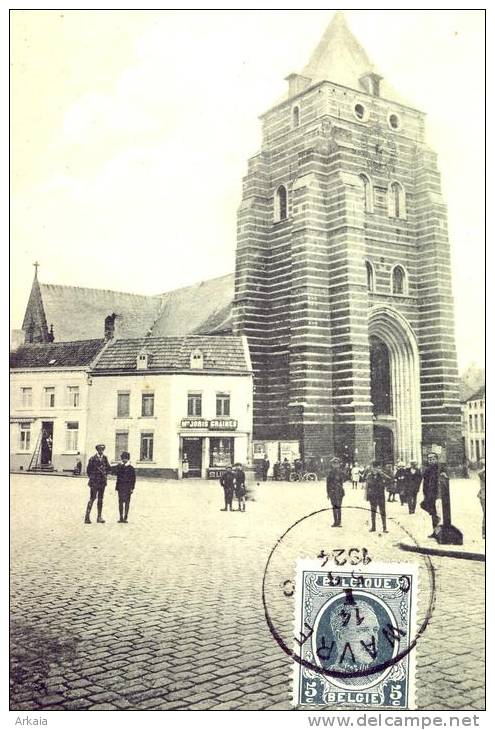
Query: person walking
x: 481, y: 494
x: 97, y: 470
x: 266, y: 467
x: 240, y: 487
x: 412, y: 482
x: 126, y: 481
x: 430, y: 490
x: 399, y: 479
x: 376, y: 481
x: 227, y: 480
x: 355, y: 475
x: 335, y: 490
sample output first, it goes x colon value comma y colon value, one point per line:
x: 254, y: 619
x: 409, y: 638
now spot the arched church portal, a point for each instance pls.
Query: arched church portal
x: 395, y: 387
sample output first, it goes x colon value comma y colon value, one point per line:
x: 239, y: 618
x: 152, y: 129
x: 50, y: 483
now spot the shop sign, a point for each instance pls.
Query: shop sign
x: 216, y: 473
x: 258, y: 449
x: 194, y: 423
x: 223, y: 424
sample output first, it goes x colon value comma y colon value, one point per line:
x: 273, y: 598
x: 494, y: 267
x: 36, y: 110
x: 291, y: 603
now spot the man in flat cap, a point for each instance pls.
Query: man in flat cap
x: 97, y: 470
x: 335, y: 490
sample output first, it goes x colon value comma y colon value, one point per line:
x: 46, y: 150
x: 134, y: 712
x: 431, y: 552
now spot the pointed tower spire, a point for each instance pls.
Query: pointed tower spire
x: 339, y: 57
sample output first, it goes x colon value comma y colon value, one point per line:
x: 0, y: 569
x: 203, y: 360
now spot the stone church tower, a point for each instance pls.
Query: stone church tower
x: 343, y: 283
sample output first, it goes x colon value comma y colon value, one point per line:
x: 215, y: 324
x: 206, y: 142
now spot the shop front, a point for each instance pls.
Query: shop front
x: 208, y: 447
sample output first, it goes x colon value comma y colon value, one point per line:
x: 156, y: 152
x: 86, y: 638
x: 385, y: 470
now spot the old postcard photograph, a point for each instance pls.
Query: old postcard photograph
x: 247, y: 365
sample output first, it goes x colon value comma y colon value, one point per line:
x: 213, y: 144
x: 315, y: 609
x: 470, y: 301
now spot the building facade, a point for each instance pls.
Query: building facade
x: 49, y: 397
x: 182, y: 407
x: 343, y: 284
x: 473, y: 432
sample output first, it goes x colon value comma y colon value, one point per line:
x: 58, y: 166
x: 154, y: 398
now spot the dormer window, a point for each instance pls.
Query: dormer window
x: 142, y: 360
x: 196, y: 361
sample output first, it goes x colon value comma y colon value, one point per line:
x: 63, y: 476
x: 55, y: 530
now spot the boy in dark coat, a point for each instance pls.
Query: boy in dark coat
x: 412, y: 483
x: 240, y: 486
x: 126, y: 480
x: 97, y: 470
x: 430, y: 490
x: 335, y: 490
x: 227, y: 480
x: 376, y: 481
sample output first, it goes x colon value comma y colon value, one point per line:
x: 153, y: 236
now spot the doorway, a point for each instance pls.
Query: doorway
x: 384, y: 445
x: 46, y: 442
x: 192, y: 450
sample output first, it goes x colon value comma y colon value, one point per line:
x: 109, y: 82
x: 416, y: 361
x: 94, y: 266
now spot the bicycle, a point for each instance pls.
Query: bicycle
x: 305, y: 476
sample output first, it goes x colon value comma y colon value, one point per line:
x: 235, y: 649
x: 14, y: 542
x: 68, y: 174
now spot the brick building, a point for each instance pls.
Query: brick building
x: 343, y: 282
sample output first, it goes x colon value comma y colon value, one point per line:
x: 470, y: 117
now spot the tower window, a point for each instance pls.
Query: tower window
x: 367, y: 193
x: 398, y: 280
x: 360, y: 112
x: 295, y: 117
x: 393, y: 121
x: 281, y: 203
x: 370, y: 276
x: 396, y: 200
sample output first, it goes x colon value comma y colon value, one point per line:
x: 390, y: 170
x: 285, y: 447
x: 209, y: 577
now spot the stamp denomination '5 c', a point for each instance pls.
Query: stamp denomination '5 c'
x: 355, y: 635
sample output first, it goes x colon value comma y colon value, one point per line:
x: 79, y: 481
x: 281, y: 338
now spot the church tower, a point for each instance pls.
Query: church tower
x: 343, y: 283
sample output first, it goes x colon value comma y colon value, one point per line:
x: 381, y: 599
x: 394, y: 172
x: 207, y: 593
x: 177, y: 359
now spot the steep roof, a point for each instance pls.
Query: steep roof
x: 54, y: 355
x: 78, y: 313
x: 220, y: 353
x: 198, y: 309
x: 477, y: 395
x: 339, y: 57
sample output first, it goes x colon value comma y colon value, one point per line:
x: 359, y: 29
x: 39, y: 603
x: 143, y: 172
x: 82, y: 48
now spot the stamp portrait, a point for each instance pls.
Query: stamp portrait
x: 355, y: 635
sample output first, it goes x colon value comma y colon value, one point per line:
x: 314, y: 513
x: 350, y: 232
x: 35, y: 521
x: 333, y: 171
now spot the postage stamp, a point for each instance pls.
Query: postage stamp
x: 355, y: 634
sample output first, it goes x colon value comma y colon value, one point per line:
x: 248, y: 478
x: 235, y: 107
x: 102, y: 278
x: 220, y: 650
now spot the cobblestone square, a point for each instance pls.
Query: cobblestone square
x: 166, y: 612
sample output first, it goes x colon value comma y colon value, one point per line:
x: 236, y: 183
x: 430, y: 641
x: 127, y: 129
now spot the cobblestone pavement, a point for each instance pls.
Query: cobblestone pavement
x: 166, y: 611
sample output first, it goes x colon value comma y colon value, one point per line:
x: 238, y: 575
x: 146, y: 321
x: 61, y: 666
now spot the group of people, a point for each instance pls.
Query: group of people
x: 97, y: 470
x: 376, y: 480
x: 233, y: 481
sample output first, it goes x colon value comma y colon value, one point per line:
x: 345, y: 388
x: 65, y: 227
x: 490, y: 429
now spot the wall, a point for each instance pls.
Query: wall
x: 170, y: 407
x: 62, y: 459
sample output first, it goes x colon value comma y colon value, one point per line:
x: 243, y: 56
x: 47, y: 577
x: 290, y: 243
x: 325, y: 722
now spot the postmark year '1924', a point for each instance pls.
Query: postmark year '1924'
x: 355, y: 634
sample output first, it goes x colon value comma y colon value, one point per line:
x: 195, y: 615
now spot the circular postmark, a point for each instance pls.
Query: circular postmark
x: 346, y: 634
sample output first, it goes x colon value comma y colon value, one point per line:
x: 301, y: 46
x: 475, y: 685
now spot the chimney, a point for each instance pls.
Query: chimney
x: 297, y: 83
x: 371, y: 83
x: 110, y: 326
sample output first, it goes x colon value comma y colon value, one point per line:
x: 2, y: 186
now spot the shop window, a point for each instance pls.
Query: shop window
x: 367, y: 193
x: 398, y: 280
x: 221, y: 452
x: 146, y: 451
x: 71, y: 436
x: 121, y: 443
x: 24, y: 437
x: 281, y: 204
x: 148, y: 404
x: 49, y: 397
x: 73, y: 396
x: 223, y: 404
x: 123, y: 404
x: 194, y: 404
x: 370, y: 276
x: 26, y: 397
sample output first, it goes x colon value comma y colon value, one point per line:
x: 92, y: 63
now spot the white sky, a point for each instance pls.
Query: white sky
x: 131, y: 132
